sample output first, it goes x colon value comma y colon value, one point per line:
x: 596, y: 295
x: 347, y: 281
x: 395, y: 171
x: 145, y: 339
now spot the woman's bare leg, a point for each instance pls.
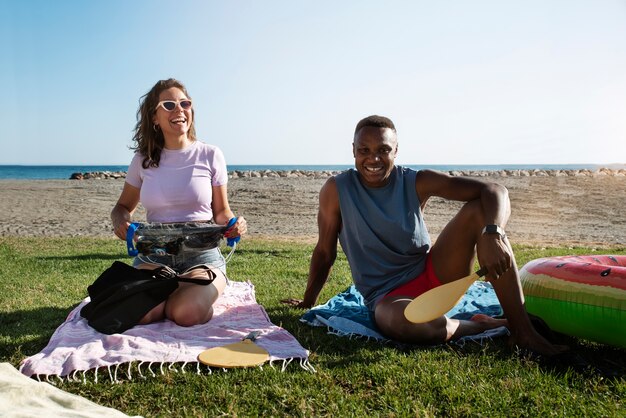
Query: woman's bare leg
x: 192, y: 304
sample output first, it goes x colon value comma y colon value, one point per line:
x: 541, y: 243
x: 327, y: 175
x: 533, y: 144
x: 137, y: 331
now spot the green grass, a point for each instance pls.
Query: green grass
x: 42, y: 279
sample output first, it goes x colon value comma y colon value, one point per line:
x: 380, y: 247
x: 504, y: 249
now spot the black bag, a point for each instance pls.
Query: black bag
x: 122, y: 295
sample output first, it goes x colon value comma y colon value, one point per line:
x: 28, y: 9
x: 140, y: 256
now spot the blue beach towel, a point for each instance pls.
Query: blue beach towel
x: 346, y: 315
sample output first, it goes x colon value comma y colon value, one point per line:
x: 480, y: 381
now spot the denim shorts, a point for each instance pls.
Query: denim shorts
x: 185, y: 259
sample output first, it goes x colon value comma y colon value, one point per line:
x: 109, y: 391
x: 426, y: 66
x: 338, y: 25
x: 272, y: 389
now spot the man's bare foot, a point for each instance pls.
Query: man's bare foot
x: 533, y: 342
x: 489, y: 321
x: 537, y: 344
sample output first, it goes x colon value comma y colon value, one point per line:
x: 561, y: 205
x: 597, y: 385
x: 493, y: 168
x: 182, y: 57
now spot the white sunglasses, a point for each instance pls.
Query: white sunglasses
x: 170, y: 105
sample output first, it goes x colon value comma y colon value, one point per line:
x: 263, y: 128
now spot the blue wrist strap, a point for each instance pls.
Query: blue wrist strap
x: 232, y: 241
x: 130, y: 244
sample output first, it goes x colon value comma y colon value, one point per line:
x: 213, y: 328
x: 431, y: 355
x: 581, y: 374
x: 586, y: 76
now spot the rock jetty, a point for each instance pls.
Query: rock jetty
x: 103, y: 175
x: 98, y: 175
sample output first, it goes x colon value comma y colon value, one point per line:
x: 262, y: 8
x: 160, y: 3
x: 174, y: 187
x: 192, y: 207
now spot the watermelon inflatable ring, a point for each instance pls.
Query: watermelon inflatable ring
x: 582, y: 296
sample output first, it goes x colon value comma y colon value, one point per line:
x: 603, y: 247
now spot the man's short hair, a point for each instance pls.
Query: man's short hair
x: 375, y: 121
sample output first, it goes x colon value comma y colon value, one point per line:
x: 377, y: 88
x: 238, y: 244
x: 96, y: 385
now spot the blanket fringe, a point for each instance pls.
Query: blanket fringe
x: 306, y: 365
x: 480, y: 339
x: 149, y: 368
x: 139, y: 370
x: 122, y: 372
x: 286, y: 363
x: 117, y: 367
x: 351, y: 335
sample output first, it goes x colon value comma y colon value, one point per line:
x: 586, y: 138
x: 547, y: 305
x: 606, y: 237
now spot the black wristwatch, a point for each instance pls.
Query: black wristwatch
x: 494, y: 229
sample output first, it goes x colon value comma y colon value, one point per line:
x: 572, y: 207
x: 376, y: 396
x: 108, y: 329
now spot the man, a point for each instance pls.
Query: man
x: 376, y: 212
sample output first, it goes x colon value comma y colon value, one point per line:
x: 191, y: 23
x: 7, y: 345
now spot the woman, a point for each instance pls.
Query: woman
x: 177, y: 179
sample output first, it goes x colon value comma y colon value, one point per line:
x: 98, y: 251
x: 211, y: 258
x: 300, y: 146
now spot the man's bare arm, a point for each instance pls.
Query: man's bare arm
x: 492, y: 250
x: 325, y: 252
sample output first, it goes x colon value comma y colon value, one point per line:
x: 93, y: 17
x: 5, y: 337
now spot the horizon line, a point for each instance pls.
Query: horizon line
x: 326, y: 165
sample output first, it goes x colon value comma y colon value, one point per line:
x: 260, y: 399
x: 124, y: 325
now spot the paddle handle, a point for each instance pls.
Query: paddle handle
x: 481, y: 272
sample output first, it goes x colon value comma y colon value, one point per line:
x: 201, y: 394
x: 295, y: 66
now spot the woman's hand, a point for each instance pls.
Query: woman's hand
x: 120, y: 218
x: 238, y: 229
x: 121, y: 229
x: 123, y: 210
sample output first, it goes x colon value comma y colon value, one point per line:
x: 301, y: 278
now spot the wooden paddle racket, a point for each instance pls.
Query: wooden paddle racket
x: 244, y: 353
x: 436, y: 302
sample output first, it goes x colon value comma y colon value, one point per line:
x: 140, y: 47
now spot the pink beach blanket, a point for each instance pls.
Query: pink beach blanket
x: 75, y: 346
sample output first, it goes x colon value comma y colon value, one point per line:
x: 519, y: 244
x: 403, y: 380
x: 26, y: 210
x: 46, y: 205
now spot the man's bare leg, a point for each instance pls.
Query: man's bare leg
x: 453, y: 257
x: 392, y: 323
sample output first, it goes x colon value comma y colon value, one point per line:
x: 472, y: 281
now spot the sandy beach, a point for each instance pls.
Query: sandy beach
x: 546, y: 210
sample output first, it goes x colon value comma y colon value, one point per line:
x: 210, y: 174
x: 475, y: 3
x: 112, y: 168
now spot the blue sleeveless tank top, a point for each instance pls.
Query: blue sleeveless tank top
x: 383, y: 233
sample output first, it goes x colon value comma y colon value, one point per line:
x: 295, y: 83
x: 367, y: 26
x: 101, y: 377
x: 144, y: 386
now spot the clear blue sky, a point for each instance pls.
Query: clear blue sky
x: 285, y: 82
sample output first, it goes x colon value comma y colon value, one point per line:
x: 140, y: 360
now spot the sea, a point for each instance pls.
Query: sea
x: 52, y: 172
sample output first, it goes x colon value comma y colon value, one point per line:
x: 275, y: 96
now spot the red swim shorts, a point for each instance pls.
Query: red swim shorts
x: 422, y: 283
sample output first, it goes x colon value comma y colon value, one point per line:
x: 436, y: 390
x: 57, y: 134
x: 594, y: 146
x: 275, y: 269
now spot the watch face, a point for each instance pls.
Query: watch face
x: 492, y: 229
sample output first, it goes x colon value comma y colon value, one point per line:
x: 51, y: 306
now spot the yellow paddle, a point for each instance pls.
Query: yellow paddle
x: 436, y: 302
x: 244, y: 353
